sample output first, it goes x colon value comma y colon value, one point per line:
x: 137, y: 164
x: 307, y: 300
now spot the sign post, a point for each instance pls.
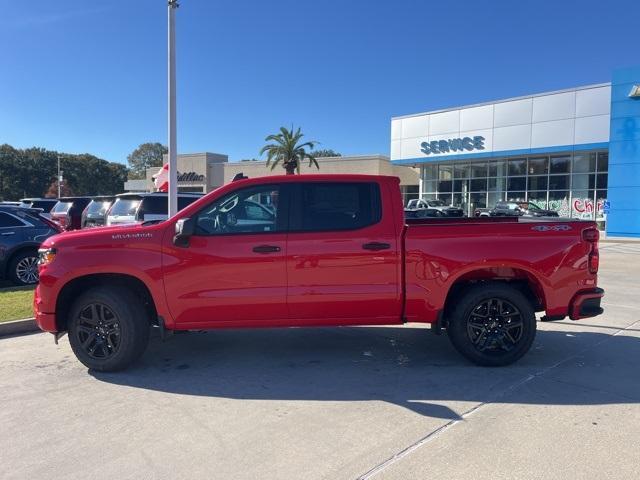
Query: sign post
x: 172, y: 147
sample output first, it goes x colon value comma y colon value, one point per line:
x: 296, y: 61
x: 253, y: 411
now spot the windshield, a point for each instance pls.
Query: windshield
x: 98, y: 207
x: 62, y: 207
x: 125, y: 206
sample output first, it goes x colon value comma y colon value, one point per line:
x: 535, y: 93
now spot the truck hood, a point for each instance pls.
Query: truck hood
x: 101, y: 235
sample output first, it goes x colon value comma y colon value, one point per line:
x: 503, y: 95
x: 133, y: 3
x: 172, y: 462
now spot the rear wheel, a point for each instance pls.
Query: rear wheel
x: 108, y: 328
x: 492, y: 325
x: 23, y: 268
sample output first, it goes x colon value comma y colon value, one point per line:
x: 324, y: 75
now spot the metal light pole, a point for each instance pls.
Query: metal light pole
x: 59, y: 178
x: 172, y: 154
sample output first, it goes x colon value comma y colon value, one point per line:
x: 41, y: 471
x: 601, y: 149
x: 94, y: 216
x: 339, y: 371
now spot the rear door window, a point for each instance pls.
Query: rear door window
x: 336, y: 206
x: 9, y: 221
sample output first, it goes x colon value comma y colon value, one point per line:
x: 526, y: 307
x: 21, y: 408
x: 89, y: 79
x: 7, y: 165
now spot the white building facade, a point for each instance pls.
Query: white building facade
x: 550, y: 149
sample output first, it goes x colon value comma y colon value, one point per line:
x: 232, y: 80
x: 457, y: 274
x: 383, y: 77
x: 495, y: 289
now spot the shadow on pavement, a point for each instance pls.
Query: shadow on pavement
x: 409, y: 367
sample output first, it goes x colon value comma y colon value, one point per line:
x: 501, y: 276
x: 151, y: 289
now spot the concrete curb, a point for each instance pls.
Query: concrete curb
x: 18, y: 327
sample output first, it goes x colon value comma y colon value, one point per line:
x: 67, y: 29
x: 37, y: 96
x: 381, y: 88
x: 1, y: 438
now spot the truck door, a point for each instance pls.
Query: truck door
x: 343, y: 256
x: 233, y: 271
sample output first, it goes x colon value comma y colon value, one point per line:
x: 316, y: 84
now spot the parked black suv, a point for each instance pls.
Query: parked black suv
x: 46, y: 204
x: 68, y: 212
x: 446, y: 210
x: 22, y: 230
x: 95, y: 214
x: 518, y: 209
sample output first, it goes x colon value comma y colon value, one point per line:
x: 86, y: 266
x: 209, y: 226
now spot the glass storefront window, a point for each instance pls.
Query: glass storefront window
x: 559, y: 201
x: 516, y: 183
x: 445, y: 186
x: 478, y: 184
x: 493, y: 198
x: 571, y: 184
x: 477, y: 200
x: 584, y: 163
x: 445, y: 172
x: 516, y: 196
x: 497, y: 184
x: 603, y: 161
x: 601, y: 196
x: 582, y: 205
x: 558, y: 182
x: 582, y: 181
x: 461, y: 170
x: 601, y: 180
x: 538, y: 198
x: 461, y: 185
x: 445, y: 197
x: 498, y: 169
x: 479, y: 170
x: 538, y: 183
x: 538, y: 166
x: 560, y: 164
x: 430, y: 172
x: 517, y: 166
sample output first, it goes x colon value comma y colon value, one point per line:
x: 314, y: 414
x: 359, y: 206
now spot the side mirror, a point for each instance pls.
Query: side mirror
x: 185, y: 227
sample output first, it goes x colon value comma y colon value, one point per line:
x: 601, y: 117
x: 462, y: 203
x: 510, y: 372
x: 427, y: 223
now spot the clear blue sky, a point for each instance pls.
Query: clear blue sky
x: 90, y: 75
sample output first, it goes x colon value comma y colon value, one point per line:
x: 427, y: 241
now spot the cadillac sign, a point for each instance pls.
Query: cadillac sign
x: 453, y: 145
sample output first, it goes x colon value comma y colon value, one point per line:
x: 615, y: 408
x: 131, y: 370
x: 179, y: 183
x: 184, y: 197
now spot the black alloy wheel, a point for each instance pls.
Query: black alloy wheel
x: 98, y: 331
x: 495, y: 325
x: 492, y: 323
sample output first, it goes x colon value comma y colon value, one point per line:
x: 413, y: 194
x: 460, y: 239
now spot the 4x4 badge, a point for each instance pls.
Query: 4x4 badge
x: 554, y: 228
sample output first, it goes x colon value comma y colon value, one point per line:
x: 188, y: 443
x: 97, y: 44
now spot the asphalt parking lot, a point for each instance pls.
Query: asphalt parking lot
x: 336, y: 403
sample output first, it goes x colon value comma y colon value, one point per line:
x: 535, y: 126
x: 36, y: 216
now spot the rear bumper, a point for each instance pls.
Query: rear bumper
x: 586, y: 304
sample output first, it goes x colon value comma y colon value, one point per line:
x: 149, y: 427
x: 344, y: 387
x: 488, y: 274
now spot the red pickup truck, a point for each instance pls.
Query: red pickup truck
x: 310, y: 250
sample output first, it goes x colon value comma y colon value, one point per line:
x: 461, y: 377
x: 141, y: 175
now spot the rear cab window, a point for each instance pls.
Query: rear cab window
x: 327, y: 206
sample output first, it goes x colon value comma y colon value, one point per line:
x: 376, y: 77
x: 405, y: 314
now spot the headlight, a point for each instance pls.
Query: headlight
x: 46, y: 255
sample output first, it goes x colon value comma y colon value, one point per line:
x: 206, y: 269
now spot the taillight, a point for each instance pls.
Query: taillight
x: 594, y: 260
x: 592, y: 235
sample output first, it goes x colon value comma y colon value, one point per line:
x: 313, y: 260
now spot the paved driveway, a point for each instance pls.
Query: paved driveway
x: 339, y: 403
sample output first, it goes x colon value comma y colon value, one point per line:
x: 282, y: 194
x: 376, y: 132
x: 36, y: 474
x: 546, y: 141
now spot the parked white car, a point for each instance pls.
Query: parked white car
x: 130, y: 208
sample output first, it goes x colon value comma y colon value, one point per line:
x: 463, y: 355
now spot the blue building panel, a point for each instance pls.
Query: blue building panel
x: 623, y: 192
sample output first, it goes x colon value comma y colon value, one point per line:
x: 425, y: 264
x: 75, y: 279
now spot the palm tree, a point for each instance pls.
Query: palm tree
x: 285, y: 149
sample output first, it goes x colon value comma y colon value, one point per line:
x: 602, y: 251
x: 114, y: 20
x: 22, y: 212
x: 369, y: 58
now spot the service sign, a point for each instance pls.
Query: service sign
x: 464, y: 144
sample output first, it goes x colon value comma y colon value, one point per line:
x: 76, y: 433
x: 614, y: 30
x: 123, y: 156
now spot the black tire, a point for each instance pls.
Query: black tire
x: 108, y: 328
x: 492, y: 324
x: 23, y: 268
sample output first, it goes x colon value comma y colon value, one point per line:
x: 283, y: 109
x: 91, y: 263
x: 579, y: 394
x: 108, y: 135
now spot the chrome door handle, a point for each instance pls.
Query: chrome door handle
x: 8, y: 233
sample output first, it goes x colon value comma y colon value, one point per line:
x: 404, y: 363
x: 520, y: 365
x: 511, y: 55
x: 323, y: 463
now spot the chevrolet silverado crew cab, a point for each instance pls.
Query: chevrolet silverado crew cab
x: 315, y: 250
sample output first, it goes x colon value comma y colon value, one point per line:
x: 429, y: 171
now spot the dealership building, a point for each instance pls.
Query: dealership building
x: 204, y: 172
x: 576, y: 151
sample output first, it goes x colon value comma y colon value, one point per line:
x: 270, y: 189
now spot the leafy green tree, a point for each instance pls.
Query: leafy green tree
x: 324, y: 152
x: 287, y: 150
x: 32, y: 172
x: 145, y: 156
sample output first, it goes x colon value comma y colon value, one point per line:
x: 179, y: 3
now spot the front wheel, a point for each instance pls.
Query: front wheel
x: 108, y: 328
x: 492, y: 325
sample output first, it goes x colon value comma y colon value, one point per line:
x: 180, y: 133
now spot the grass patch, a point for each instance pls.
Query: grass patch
x: 16, y: 303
